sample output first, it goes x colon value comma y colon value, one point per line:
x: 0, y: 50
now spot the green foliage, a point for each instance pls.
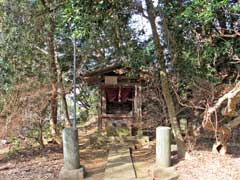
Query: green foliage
x: 204, y: 10
x: 83, y: 17
x: 88, y: 101
x: 84, y: 116
x: 140, y: 56
x: 118, y: 131
x: 33, y: 132
x: 6, y: 75
x: 201, y: 49
x: 15, y: 146
x: 21, y: 32
x: 93, y: 100
x: 100, y: 27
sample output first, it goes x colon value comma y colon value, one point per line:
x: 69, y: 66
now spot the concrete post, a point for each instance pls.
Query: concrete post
x: 71, y: 169
x: 163, y: 146
x: 71, y: 149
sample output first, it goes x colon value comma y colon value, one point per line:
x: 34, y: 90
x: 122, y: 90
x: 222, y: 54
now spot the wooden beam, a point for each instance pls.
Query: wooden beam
x: 119, y: 84
x: 117, y: 116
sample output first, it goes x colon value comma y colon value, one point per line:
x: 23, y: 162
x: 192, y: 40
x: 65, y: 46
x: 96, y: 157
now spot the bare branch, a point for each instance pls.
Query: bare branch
x: 184, y: 104
x: 231, y: 97
x: 41, y: 50
x: 221, y: 31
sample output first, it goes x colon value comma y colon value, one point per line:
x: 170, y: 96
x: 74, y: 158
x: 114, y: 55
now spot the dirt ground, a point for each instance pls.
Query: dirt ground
x: 205, y: 165
x: 46, y: 164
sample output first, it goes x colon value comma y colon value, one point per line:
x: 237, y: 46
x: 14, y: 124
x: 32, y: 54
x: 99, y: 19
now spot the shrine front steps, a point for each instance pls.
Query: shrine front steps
x: 119, y: 165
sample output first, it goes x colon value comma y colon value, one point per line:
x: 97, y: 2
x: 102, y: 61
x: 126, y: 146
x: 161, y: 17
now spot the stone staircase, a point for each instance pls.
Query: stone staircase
x: 120, y: 165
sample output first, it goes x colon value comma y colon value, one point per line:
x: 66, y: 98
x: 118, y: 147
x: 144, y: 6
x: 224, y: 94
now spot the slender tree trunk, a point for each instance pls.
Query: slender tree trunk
x: 53, y: 71
x: 67, y: 122
x: 41, y: 113
x: 64, y: 101
x: 41, y: 133
x: 56, y: 76
x: 165, y: 83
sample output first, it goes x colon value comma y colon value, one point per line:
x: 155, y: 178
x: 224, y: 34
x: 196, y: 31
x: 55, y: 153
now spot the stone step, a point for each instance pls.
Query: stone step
x: 145, y: 178
x: 119, y: 166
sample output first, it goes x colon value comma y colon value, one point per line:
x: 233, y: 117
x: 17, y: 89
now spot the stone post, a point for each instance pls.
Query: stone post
x: 163, y: 146
x: 71, y: 149
x: 71, y: 169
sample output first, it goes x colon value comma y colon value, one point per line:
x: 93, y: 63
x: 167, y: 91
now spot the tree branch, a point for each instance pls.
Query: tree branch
x: 41, y: 50
x: 231, y: 97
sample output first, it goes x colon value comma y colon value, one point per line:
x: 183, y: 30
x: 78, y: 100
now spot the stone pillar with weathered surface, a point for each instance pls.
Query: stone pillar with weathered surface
x: 162, y: 169
x: 71, y: 169
x: 163, y: 146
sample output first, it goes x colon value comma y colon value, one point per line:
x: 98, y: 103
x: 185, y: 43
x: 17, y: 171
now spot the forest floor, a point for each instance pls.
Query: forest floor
x: 205, y: 165
x: 46, y: 164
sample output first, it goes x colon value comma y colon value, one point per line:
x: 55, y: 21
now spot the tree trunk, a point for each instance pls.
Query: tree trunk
x: 55, y: 72
x: 67, y: 122
x: 64, y: 101
x: 53, y: 75
x: 164, y: 82
x: 40, y: 126
x: 41, y: 113
x: 172, y: 114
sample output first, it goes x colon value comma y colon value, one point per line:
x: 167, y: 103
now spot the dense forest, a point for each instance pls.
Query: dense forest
x: 189, y: 51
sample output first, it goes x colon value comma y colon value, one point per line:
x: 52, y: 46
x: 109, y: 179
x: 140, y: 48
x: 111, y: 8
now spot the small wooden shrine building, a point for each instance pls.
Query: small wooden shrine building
x: 120, y: 99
